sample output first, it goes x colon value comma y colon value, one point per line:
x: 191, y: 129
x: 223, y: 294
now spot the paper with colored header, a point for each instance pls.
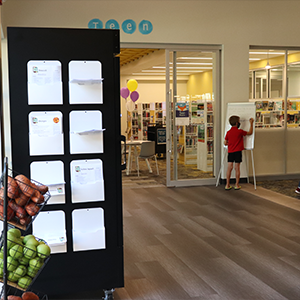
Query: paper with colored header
x: 45, y: 133
x: 44, y: 82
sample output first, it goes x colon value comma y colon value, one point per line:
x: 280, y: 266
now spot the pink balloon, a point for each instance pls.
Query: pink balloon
x: 134, y: 96
x: 124, y: 92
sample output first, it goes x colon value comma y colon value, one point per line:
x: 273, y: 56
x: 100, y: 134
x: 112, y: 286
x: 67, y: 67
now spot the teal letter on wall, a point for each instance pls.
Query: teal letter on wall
x: 95, y: 23
x: 112, y: 24
x: 129, y: 26
x: 145, y: 27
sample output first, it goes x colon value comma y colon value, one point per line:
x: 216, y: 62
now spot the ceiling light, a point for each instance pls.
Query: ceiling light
x: 193, y: 63
x: 194, y: 58
x: 268, y: 65
x: 187, y: 68
x: 150, y: 74
x: 266, y: 52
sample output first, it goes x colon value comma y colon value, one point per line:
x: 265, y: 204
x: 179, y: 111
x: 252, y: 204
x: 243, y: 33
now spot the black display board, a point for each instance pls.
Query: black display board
x: 84, y: 271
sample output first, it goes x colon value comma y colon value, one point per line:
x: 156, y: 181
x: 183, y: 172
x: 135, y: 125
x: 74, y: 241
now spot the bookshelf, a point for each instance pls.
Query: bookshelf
x: 143, y: 115
x: 190, y: 149
x: 270, y: 113
x: 205, y: 145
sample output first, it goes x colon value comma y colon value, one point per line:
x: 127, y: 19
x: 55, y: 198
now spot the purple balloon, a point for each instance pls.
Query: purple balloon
x: 124, y: 92
x: 134, y: 96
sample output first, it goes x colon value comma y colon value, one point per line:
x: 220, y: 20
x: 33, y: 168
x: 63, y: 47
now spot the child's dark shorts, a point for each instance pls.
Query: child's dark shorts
x: 235, y: 157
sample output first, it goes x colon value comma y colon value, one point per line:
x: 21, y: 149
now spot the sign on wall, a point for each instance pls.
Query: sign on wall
x: 128, y: 26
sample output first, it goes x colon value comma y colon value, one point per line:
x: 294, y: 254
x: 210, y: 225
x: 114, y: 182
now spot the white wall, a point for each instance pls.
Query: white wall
x: 233, y: 24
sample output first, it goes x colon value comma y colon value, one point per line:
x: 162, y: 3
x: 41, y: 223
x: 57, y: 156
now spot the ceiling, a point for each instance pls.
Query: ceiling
x: 128, y: 55
x: 152, y: 62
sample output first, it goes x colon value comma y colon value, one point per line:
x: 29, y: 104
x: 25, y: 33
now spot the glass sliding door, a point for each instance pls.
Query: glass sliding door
x: 192, y: 83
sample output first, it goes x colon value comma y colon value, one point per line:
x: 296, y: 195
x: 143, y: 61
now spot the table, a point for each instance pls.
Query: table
x: 135, y: 144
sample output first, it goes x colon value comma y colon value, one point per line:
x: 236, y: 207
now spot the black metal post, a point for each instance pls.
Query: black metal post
x: 5, y: 171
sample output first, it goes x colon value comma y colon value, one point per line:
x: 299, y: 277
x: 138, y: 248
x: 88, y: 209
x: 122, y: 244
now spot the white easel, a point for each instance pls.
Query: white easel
x: 245, y: 111
x: 247, y: 166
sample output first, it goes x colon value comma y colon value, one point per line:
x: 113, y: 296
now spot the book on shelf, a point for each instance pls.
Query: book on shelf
x: 265, y: 105
x: 271, y: 105
x: 278, y: 105
x: 209, y: 106
x: 259, y: 105
x: 258, y: 117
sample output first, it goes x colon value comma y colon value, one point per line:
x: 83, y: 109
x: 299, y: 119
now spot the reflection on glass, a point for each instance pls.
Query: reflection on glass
x: 250, y: 86
x: 276, y: 82
x: 294, y: 80
x: 261, y: 84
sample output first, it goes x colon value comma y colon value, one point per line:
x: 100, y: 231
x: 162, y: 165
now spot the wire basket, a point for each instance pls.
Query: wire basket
x: 25, y: 260
x: 16, y: 292
x: 25, y: 199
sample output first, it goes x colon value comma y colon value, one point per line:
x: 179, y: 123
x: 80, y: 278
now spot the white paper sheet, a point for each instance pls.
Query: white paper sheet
x: 85, y: 82
x: 50, y: 173
x: 86, y: 133
x: 44, y: 82
x: 88, y: 229
x: 87, y: 184
x: 51, y: 227
x: 45, y: 133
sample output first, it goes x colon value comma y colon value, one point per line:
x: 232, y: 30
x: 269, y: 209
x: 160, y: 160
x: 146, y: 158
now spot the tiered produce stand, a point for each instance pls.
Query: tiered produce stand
x: 21, y: 200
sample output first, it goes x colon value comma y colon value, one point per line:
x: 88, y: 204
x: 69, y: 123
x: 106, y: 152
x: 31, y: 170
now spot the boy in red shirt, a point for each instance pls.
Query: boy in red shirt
x: 234, y: 139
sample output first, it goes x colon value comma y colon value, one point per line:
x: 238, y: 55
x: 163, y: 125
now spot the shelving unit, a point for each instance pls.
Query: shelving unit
x: 270, y: 113
x: 205, y: 145
x: 143, y: 115
x: 190, y: 148
x: 10, y: 186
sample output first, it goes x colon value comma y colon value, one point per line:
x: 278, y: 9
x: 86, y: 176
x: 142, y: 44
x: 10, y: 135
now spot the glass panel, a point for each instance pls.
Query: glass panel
x: 276, y: 82
x: 261, y: 84
x: 294, y: 80
x: 193, y: 115
x: 250, y: 85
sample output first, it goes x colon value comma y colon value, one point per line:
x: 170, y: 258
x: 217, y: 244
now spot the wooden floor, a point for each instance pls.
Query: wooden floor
x: 205, y: 243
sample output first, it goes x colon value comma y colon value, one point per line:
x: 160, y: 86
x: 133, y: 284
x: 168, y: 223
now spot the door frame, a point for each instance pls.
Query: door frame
x: 217, y: 49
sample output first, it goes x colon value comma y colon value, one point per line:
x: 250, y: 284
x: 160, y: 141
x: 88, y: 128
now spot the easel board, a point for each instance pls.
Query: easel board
x: 245, y: 111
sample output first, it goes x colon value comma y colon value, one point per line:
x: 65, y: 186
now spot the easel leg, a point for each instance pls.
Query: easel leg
x: 254, y: 179
x: 247, y: 168
x: 222, y: 164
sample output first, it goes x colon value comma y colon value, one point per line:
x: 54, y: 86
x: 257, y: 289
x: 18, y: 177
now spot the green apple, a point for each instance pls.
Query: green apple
x: 12, y: 277
x: 32, y: 241
x: 26, y: 237
x: 23, y: 261
x: 12, y: 264
x: 29, y: 251
x: 24, y: 282
x: 19, y: 241
x: 20, y: 271
x: 31, y: 272
x: 36, y: 263
x: 43, y: 250
x: 16, y: 251
x: 11, y: 240
x: 15, y: 231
